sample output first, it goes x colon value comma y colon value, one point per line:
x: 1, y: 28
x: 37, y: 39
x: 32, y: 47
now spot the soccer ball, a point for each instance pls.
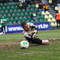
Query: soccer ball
x: 24, y: 44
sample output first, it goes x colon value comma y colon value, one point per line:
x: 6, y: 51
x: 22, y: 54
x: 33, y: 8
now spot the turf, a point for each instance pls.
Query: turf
x: 50, y: 34
x: 34, y: 52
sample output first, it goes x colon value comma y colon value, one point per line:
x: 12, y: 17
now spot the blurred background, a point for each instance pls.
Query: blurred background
x: 34, y: 11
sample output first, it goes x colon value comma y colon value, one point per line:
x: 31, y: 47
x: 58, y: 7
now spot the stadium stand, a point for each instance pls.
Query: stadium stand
x: 49, y: 18
x: 16, y: 15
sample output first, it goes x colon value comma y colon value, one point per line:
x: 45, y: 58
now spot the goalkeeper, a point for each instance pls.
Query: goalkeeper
x: 30, y: 33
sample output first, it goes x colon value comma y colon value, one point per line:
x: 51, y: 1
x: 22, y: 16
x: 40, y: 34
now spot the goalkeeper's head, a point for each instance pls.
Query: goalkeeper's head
x: 25, y: 26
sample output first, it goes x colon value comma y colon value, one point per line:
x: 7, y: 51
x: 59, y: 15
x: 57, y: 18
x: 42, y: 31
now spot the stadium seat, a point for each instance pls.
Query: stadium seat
x: 26, y: 13
x: 16, y: 18
x: 11, y: 11
x: 5, y: 15
x: 29, y: 6
x: 18, y: 14
x: 23, y: 10
x: 40, y: 20
x: 45, y: 20
x: 10, y: 23
x: 47, y: 13
x: 31, y: 9
x: 33, y: 6
x: 5, y: 4
x: 59, y: 10
x: 53, y: 24
x: 3, y: 7
x: 9, y: 15
x: 56, y: 8
x: 18, y: 22
x: 6, y: 11
x: 20, y: 18
x: 19, y: 10
x: 37, y: 6
x: 50, y: 16
x: 1, y: 4
x: 43, y: 13
x: 11, y: 19
x: 46, y: 16
x: 14, y: 22
x: 42, y: 17
x: 8, y: 7
x: 15, y: 11
x: 0, y: 15
x: 2, y: 11
x: 22, y: 14
x: 53, y: 19
x: 49, y: 20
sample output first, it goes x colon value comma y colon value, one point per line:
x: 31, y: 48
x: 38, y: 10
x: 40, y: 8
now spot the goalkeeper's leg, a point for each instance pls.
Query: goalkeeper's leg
x: 37, y: 41
x: 41, y: 42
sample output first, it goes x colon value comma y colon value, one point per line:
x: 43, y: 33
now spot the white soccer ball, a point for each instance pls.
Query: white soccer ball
x: 24, y: 44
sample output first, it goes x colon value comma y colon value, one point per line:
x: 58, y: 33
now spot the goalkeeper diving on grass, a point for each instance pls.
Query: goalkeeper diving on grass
x: 30, y: 33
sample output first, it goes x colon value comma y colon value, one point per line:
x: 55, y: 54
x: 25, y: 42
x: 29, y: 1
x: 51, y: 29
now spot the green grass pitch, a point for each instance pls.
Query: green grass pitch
x: 34, y: 52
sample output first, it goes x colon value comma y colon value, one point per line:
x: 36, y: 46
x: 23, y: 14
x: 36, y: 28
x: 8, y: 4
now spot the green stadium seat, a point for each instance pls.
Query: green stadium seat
x: 38, y: 17
x: 11, y: 3
x: 16, y: 6
x: 0, y: 8
x: 8, y: 7
x: 3, y: 7
x: 13, y: 14
x: 30, y: 13
x: 19, y: 10
x: 2, y: 11
x: 40, y: 20
x: 0, y: 15
x: 28, y: 10
x: 29, y: 18
x: 10, y: 23
x: 45, y: 20
x: 33, y: 6
x: 18, y: 22
x: 29, y: 6
x: 31, y: 9
x: 5, y: 15
x: 36, y: 20
x: 26, y: 14
x: 25, y: 18
x: 11, y: 11
x: 6, y: 11
x: 23, y: 10
x: 12, y: 7
x: 32, y: 21
x: 22, y: 14
x: 11, y: 19
x: 5, y: 4
x: 38, y: 13
x: 1, y: 4
x: 36, y: 10
x: 16, y: 18
x: 18, y: 14
x: 20, y: 18
x: 15, y: 11
x: 14, y: 22
x: 9, y: 15
x: 42, y: 17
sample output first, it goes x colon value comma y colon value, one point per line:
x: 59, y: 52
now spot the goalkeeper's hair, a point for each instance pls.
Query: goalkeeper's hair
x: 23, y: 23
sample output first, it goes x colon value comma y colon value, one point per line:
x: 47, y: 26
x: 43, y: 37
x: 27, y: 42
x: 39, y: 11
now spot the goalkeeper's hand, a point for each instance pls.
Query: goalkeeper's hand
x: 34, y: 35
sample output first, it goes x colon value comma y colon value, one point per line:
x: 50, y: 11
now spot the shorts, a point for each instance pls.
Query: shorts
x: 34, y: 41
